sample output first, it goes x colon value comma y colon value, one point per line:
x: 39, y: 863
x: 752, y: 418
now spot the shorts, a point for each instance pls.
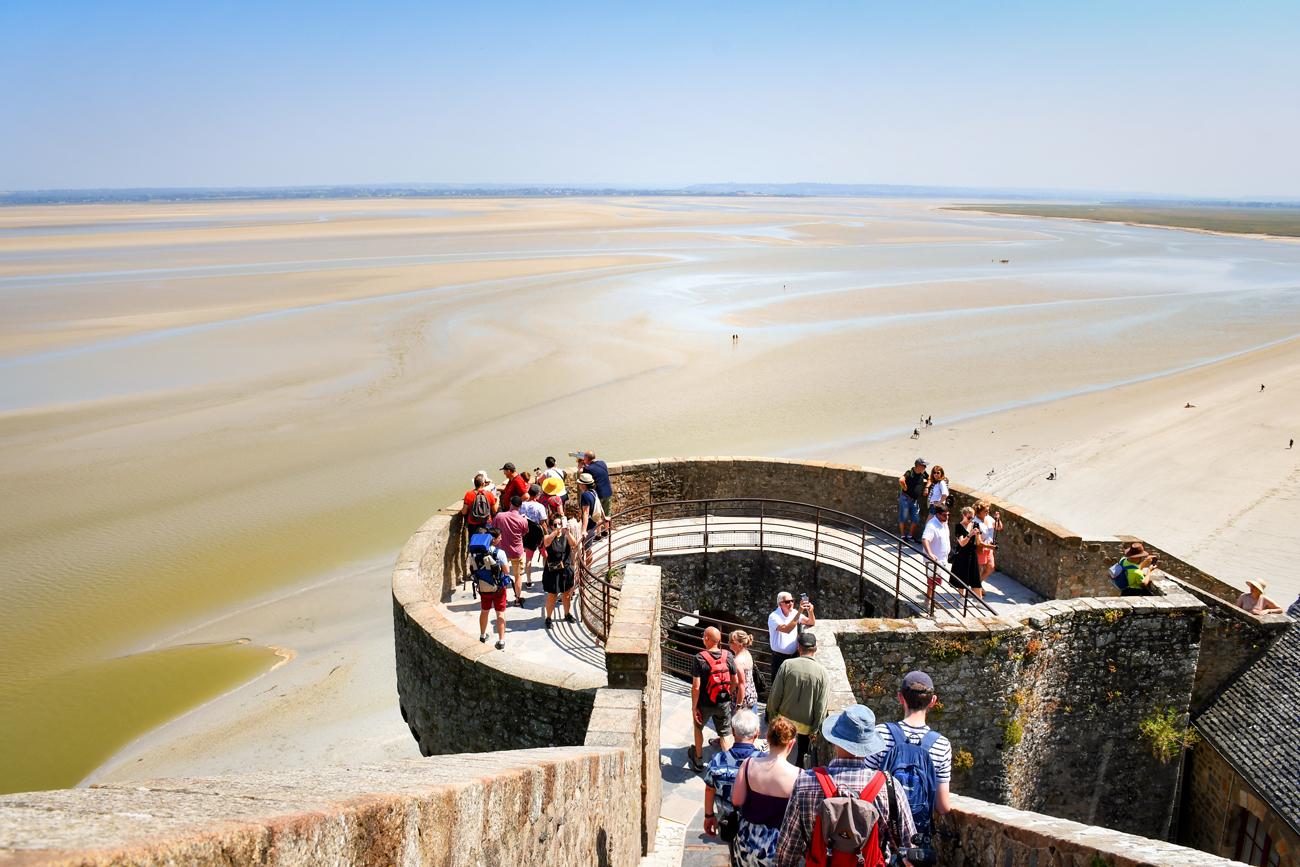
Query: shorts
x: 497, y: 600
x: 932, y: 575
x: 909, y: 510
x: 721, y: 716
x: 557, y: 582
x: 985, y: 556
x: 516, y: 565
x: 605, y: 503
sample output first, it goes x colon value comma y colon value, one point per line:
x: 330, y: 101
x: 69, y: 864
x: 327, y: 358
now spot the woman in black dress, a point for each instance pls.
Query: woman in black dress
x: 965, y: 562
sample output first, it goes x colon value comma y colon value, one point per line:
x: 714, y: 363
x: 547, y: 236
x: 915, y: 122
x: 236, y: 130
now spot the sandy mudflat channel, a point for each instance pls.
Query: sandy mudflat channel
x: 207, y: 407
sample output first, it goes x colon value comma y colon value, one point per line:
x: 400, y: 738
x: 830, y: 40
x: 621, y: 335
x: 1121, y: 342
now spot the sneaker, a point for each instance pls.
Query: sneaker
x: 569, y: 618
x: 696, y: 765
x: 501, y: 645
x: 716, y: 743
x: 482, y: 639
x: 548, y: 623
x: 528, y: 585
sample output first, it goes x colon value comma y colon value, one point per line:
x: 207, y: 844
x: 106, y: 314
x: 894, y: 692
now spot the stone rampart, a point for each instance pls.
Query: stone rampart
x: 573, y: 806
x: 1048, y: 709
x: 988, y: 835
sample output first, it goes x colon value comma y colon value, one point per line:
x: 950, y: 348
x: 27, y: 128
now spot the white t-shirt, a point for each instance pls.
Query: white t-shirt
x: 936, y: 533
x: 939, y: 491
x: 783, y: 642
x: 987, y: 529
x: 552, y: 473
x: 533, y: 511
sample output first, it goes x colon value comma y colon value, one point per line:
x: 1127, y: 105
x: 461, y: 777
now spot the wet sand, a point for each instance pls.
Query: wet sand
x: 205, y: 406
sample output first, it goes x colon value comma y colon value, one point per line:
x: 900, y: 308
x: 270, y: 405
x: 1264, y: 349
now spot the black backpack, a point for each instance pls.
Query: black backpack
x: 480, y: 511
x: 533, y: 537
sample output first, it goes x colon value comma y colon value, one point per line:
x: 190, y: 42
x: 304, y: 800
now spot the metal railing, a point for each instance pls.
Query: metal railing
x: 873, y: 554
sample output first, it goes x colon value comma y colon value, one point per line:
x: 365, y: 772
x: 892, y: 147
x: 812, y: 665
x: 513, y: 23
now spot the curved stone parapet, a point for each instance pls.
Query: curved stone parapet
x: 458, y: 695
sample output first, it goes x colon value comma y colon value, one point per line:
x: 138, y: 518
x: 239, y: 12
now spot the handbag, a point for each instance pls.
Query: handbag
x: 728, y: 823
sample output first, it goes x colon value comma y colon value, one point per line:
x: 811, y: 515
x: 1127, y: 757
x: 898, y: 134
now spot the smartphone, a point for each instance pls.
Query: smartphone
x: 803, y: 598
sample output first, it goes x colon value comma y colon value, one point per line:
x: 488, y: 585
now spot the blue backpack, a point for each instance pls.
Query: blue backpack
x: 912, y: 766
x: 487, y: 573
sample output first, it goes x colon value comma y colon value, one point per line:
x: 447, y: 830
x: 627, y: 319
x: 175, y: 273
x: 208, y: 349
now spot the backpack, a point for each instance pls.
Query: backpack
x: 1118, y: 576
x: 480, y: 511
x: 488, y: 577
x: 533, y: 537
x: 913, y: 767
x: 718, y: 687
x: 847, y: 825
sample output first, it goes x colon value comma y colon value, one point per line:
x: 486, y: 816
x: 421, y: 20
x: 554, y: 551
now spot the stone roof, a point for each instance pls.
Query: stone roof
x: 1255, y: 723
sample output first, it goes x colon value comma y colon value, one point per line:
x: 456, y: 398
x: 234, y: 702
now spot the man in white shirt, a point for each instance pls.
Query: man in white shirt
x: 937, y: 543
x: 783, y: 628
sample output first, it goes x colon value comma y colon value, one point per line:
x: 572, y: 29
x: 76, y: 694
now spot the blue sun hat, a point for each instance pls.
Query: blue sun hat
x: 855, y: 730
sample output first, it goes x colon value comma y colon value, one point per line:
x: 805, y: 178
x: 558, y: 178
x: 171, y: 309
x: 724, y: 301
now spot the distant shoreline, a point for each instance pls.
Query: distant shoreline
x: 1258, y: 236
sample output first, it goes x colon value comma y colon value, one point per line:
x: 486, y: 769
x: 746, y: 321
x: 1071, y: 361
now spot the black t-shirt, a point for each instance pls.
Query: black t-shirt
x: 700, y: 668
x: 916, y: 483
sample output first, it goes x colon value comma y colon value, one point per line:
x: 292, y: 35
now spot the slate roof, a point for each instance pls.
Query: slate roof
x: 1255, y: 724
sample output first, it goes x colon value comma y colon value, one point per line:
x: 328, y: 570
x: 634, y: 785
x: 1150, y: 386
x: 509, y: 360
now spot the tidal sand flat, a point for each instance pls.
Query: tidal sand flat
x: 204, y: 408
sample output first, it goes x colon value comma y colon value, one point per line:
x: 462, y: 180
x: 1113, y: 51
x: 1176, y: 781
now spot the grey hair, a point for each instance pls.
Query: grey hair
x: 744, y: 724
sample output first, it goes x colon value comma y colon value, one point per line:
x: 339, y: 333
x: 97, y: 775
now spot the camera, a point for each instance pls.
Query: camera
x: 920, y: 853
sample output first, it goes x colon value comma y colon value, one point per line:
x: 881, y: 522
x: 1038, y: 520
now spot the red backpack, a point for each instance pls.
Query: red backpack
x: 847, y: 826
x: 719, y: 682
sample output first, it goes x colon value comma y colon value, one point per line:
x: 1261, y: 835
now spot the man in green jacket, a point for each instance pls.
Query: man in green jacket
x: 800, y: 693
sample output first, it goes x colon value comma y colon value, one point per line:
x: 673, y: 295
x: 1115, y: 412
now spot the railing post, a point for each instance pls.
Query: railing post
x: 862, y: 568
x: 760, y: 529
x: 652, y: 534
x: 609, y: 551
x: 898, y: 580
x: 965, y: 601
x: 706, y: 540
x: 817, y: 538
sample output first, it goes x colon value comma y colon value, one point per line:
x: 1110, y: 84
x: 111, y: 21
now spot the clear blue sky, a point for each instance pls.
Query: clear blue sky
x: 1187, y: 98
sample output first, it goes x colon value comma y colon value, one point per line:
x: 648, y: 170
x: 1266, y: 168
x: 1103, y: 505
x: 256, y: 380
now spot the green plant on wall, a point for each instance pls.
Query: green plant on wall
x: 1112, y: 615
x: 947, y: 649
x: 1097, y: 860
x: 962, y: 760
x: 1168, y: 733
x: 1013, y: 733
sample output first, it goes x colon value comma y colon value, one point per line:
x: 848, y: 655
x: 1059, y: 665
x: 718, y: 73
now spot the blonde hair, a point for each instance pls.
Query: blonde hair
x: 967, y: 512
x: 780, y: 732
x: 741, y: 637
x: 981, y: 506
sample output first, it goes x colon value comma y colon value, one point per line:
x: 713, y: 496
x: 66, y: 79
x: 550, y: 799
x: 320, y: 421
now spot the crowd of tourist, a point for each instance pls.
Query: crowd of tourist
x: 967, y: 549
x: 767, y: 801
x: 528, y: 518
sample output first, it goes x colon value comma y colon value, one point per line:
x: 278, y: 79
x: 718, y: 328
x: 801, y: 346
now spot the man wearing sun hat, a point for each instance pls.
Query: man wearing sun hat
x: 853, y: 733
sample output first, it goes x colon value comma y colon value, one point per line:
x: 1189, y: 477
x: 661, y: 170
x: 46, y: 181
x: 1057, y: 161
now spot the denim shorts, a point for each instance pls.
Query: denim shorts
x: 909, y: 510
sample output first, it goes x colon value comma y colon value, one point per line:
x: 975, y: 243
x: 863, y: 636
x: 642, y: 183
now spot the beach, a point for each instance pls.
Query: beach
x: 221, y: 421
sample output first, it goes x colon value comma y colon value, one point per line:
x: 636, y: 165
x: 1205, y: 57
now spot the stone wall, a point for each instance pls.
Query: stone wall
x: 1040, y: 554
x: 1048, y: 710
x: 987, y: 835
x: 1218, y: 799
x: 568, y: 806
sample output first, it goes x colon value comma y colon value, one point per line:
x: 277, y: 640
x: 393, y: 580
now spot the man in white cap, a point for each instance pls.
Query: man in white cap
x: 1255, y: 601
x: 853, y: 733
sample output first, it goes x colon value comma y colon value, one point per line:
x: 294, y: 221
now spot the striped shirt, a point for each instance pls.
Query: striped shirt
x: 940, y: 752
x: 801, y: 813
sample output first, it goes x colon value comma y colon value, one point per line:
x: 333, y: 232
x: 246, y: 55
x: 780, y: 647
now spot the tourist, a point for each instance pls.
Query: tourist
x: 600, y: 473
x: 552, y: 472
x: 800, y: 693
x: 720, y: 775
x: 492, y: 595
x: 989, y: 525
x: 965, y: 566
x: 913, y: 485
x: 783, y: 626
x: 853, y: 734
x: 476, y: 519
x: 559, y: 543
x: 591, y: 514
x: 937, y: 544
x: 938, y: 489
x: 1137, y: 565
x: 512, y: 527
x: 516, y: 485
x: 917, y: 697
x: 746, y: 689
x: 553, y: 495
x: 537, y: 515
x: 1255, y: 601
x: 713, y: 680
x: 762, y: 793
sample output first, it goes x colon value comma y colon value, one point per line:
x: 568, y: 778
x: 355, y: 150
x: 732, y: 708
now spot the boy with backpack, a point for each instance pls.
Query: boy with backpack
x: 713, y: 680
x: 490, y: 572
x: 847, y: 813
x: 919, y: 758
